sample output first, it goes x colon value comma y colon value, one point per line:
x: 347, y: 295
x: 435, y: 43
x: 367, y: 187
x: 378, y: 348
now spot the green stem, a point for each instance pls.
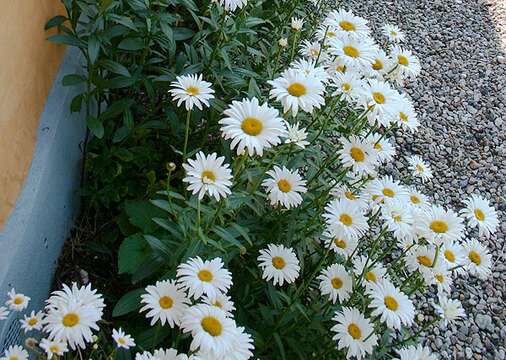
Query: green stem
x: 187, y: 132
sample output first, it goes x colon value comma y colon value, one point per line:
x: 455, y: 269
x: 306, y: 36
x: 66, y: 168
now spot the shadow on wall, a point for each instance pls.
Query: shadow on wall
x: 45, y: 209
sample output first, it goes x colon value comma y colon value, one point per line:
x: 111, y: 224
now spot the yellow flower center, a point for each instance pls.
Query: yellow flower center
x: 340, y: 68
x: 351, y: 51
x: 166, y: 302
x: 439, y: 226
x: 388, y: 192
x: 419, y: 168
x: 424, y: 260
x: 397, y: 218
x: 403, y: 117
x: 346, y: 219
x: 33, y: 322
x: 449, y: 255
x: 252, y: 126
x: 331, y: 34
x: 378, y: 146
x: 346, y: 87
x: 378, y: 65
x: 336, y: 283
x: 347, y: 26
x: 212, y: 325
x: 297, y: 89
x: 357, y: 154
x: 370, y: 276
x: 18, y: 300
x: 415, y: 199
x: 391, y: 303
x: 349, y: 195
x: 208, y: 176
x: 378, y: 97
x: 340, y: 243
x: 121, y: 341
x: 278, y: 262
x: 354, y: 331
x: 70, y: 320
x: 54, y: 349
x: 479, y: 214
x: 402, y: 60
x: 284, y: 186
x: 218, y: 304
x: 192, y: 90
x: 314, y: 52
x: 13, y: 358
x: 474, y: 257
x: 440, y: 278
x: 205, y: 275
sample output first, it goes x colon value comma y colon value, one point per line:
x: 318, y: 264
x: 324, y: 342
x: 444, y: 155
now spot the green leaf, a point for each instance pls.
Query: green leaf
x: 93, y: 48
x: 225, y: 235
x: 132, y: 253
x: 115, y: 67
x: 75, y: 104
x: 65, y: 39
x: 189, y: 4
x: 141, y: 214
x: 128, y: 119
x: 95, y: 125
x: 123, y: 20
x: 55, y: 21
x: 279, y: 343
x: 131, y: 44
x: 152, y: 337
x: 129, y: 302
x: 117, y: 108
x: 124, y: 154
x: 120, y: 134
x: 253, y: 21
x: 73, y: 79
x: 159, y: 245
x: 181, y: 33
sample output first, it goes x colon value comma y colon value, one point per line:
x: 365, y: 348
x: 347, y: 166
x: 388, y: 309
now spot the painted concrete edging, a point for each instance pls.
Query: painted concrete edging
x: 41, y: 220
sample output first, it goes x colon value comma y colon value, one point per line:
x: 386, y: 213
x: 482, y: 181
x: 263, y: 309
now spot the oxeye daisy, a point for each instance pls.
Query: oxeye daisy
x: 32, y: 322
x: 392, y: 305
x: 296, y: 135
x: 439, y: 276
x: 72, y: 314
x: 479, y: 213
x: 381, y: 101
x: 393, y: 33
x: 232, y: 5
x: 242, y: 350
x: 207, y: 277
x: 453, y: 255
x: 191, y: 90
x: 53, y: 348
x: 168, y: 354
x: 415, y: 352
x: 212, y: 331
x: 279, y: 263
x: 221, y: 301
x: 386, y: 188
x: 208, y: 175
x: 341, y: 243
x: 478, y: 260
x: 165, y: 302
x: 439, y: 225
x: 420, y: 168
x: 146, y: 355
x: 297, y: 23
x: 385, y: 151
x: 335, y: 282
x: 309, y: 68
x: 347, y: 25
x: 15, y: 352
x: 359, y: 155
x: 354, y: 332
x: 450, y: 310
x: 421, y: 258
x: 353, y: 53
x: 122, y: 340
x: 296, y: 90
x: 347, y: 85
x: 398, y: 218
x: 404, y: 115
x: 17, y: 301
x: 4, y: 313
x: 417, y: 199
x: 326, y: 32
x: 252, y: 126
x: 341, y: 215
x: 408, y: 65
x: 342, y: 191
x: 372, y: 273
x: 336, y: 66
x: 312, y: 50
x: 380, y: 66
x: 284, y: 187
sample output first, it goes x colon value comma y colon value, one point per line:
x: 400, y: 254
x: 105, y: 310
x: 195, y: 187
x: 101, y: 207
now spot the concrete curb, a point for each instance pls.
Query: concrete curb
x: 46, y: 207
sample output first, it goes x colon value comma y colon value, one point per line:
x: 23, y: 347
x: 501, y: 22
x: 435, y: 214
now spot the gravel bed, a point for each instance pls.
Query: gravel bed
x: 461, y: 101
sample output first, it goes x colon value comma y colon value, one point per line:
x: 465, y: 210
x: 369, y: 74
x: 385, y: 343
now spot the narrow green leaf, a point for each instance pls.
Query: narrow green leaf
x: 95, y: 126
x: 73, y: 79
x: 115, y: 67
x: 129, y: 302
x: 55, y: 21
x: 131, y: 44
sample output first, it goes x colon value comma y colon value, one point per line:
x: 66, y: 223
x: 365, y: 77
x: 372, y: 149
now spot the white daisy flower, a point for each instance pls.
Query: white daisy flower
x: 347, y: 85
x: 392, y: 305
x: 146, y: 355
x: 15, y: 352
x: 326, y: 32
x: 354, y: 53
x: 207, y: 277
x: 393, y: 33
x: 385, y: 151
x: 381, y: 65
x: 252, y: 126
x: 232, y: 5
x: 415, y: 352
x: 405, y: 115
x: 212, y: 331
x: 296, y: 90
x: 296, y: 135
x: 421, y: 258
x: 279, y: 263
x: 386, y: 188
x: 381, y: 100
x: 371, y: 273
x: 408, y: 65
x: 359, y: 155
x: 309, y: 68
x: 242, y: 350
x: 72, y: 314
x: 450, y: 310
x: 17, y: 301
x: 344, y: 192
x: 192, y: 90
x: 297, y: 23
x: 398, y: 218
x: 479, y: 213
x: 165, y: 301
x: 441, y: 277
x: 53, y: 348
x: 336, y: 283
x: 478, y: 260
x: 284, y: 187
x: 354, y: 332
x: 4, y: 313
x: 208, y: 175
x: 341, y: 215
x: 347, y: 25
x: 32, y: 322
x: 221, y: 301
x: 439, y: 225
x: 283, y: 42
x: 454, y: 256
x: 169, y: 354
x: 337, y: 66
x: 122, y: 340
x: 420, y: 168
x: 312, y: 50
x: 340, y: 243
x: 417, y: 199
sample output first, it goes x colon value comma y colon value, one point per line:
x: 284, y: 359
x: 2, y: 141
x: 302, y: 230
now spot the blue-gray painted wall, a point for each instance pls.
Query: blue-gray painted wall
x: 41, y: 220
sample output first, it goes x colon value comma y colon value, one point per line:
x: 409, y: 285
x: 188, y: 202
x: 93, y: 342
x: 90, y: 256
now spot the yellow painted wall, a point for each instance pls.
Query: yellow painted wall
x: 28, y: 64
